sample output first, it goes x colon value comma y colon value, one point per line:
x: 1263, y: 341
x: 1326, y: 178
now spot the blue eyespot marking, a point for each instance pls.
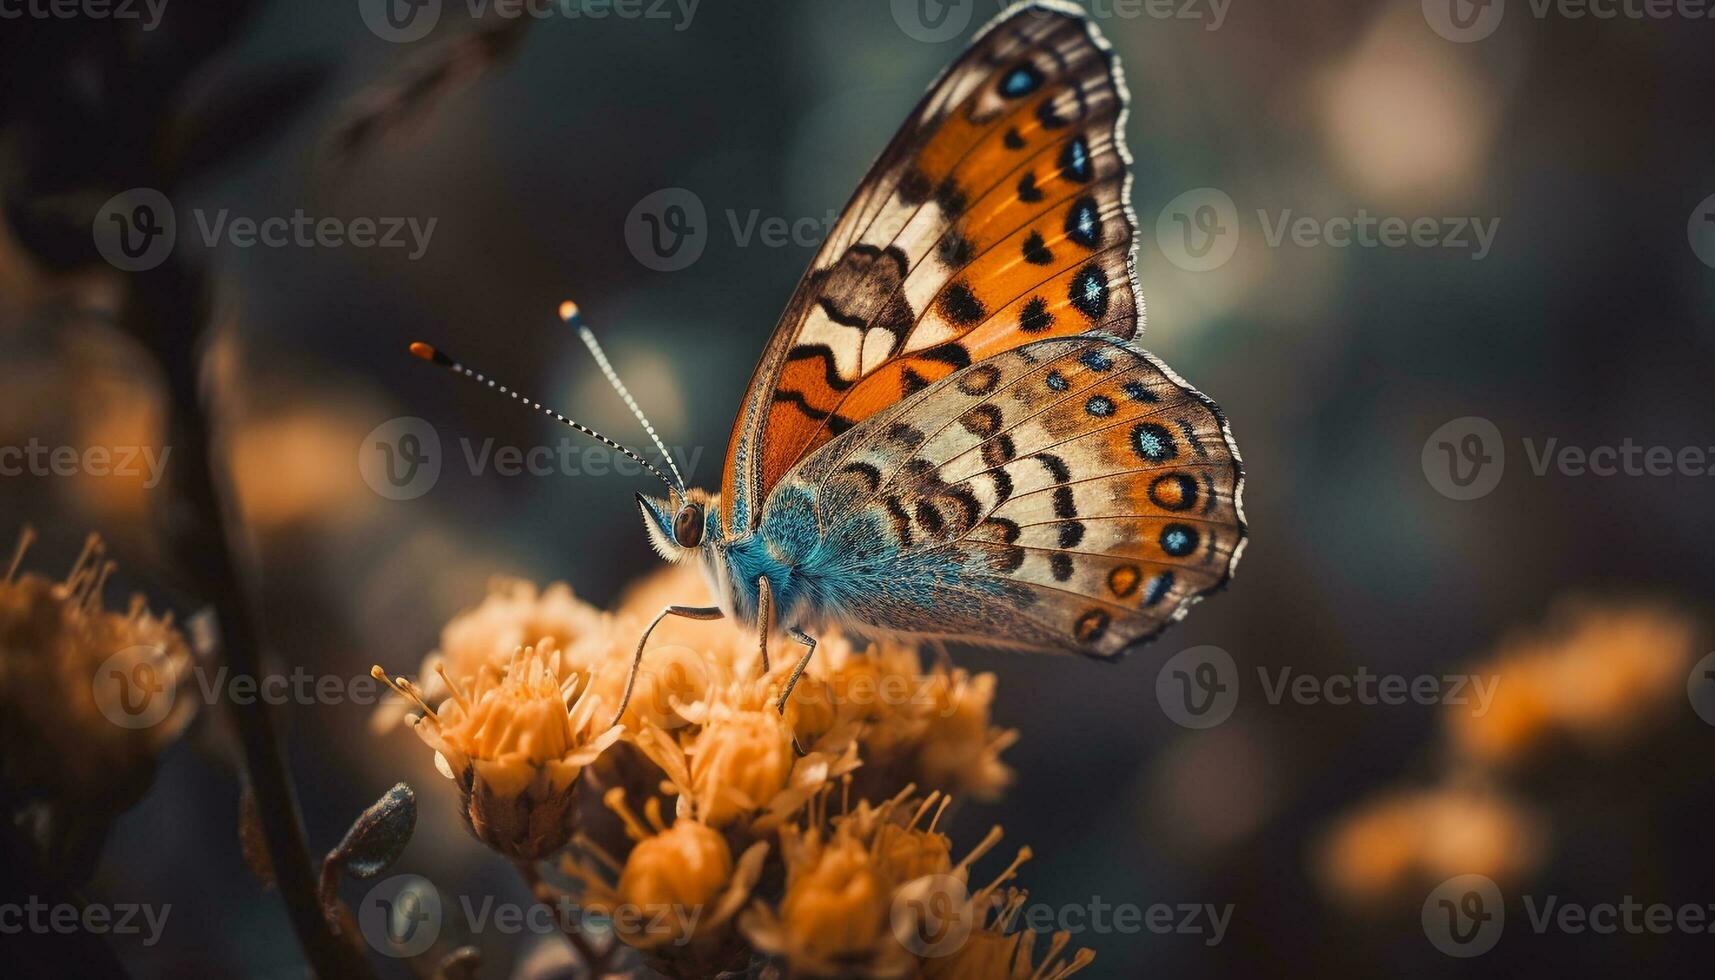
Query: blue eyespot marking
x: 1178, y: 540
x: 1158, y: 588
x: 1089, y: 291
x: 1153, y: 442
x: 1083, y: 224
x: 1075, y: 160
x: 1022, y: 80
x: 1137, y: 391
x: 1057, y: 381
x: 1095, y: 360
x: 1101, y: 406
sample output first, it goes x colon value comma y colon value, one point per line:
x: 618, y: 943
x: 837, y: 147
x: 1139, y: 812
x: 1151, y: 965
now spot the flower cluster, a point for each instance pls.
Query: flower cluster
x: 713, y: 829
x: 1595, y: 676
x: 89, y: 697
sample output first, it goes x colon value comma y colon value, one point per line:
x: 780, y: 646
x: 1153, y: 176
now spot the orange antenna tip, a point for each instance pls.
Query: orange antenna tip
x: 569, y: 311
x: 422, y: 350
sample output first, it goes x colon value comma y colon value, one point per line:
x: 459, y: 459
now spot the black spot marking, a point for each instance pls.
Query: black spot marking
x: 1035, y: 251
x: 1012, y: 140
x: 1064, y: 505
x: 979, y: 380
x: 1028, y: 192
x: 950, y: 198
x: 1178, y: 540
x: 1055, y: 466
x: 1071, y: 533
x: 1191, y: 437
x: 1091, y: 626
x: 998, y: 452
x: 930, y: 519
x: 961, y: 306
x: 1002, y: 481
x: 983, y: 421
x: 1075, y: 160
x: 1020, y: 81
x: 905, y: 435
x: 839, y: 423
x: 1035, y: 318
x: 1060, y: 565
x: 1101, y: 406
x: 870, y: 476
x: 1174, y: 492
x: 956, y: 249
x: 1153, y: 443
x: 1049, y: 116
x: 1084, y: 223
x: 1158, y: 588
x: 911, y: 382
x: 1008, y: 559
x: 1008, y: 529
x: 901, y: 521
x: 914, y: 187
x: 950, y: 353
x: 1089, y: 291
x: 1057, y: 381
x: 1137, y: 391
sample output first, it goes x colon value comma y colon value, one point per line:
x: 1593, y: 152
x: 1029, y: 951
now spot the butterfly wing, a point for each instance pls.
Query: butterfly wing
x: 997, y: 216
x: 1071, y: 494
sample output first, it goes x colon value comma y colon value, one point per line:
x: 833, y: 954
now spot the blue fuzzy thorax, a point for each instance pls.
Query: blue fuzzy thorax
x: 818, y: 574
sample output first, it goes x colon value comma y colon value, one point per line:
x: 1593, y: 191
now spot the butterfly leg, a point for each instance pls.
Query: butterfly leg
x: 764, y: 618
x: 797, y: 672
x: 687, y: 612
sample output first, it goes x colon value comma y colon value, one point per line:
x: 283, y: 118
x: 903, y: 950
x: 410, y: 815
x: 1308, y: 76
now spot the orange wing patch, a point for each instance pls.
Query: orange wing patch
x: 996, y: 217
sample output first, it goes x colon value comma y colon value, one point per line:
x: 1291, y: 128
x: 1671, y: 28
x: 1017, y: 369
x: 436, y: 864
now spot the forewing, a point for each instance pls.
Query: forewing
x: 997, y: 216
x: 1071, y: 494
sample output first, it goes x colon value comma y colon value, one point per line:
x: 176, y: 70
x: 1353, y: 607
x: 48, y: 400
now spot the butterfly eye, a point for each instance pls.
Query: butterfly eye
x: 688, y: 526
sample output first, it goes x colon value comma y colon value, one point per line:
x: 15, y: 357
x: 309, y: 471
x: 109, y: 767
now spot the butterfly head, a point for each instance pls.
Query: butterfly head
x: 679, y: 525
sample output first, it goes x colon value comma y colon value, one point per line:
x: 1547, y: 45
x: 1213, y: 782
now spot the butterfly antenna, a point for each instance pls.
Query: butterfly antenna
x: 574, y: 318
x: 445, y: 360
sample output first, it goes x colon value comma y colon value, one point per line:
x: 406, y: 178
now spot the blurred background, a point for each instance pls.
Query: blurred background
x: 1583, y: 146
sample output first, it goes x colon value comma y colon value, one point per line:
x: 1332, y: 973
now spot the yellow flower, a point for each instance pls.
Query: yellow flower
x: 678, y: 888
x: 89, y: 696
x: 1408, y: 840
x: 515, y: 748
x: 836, y: 906
x: 1596, y: 673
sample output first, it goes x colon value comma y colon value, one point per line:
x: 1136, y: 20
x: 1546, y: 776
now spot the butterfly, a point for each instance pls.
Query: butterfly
x: 952, y: 433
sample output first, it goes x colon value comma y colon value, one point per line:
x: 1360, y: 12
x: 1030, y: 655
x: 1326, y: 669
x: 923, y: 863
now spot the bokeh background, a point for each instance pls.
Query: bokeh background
x: 1589, y: 142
